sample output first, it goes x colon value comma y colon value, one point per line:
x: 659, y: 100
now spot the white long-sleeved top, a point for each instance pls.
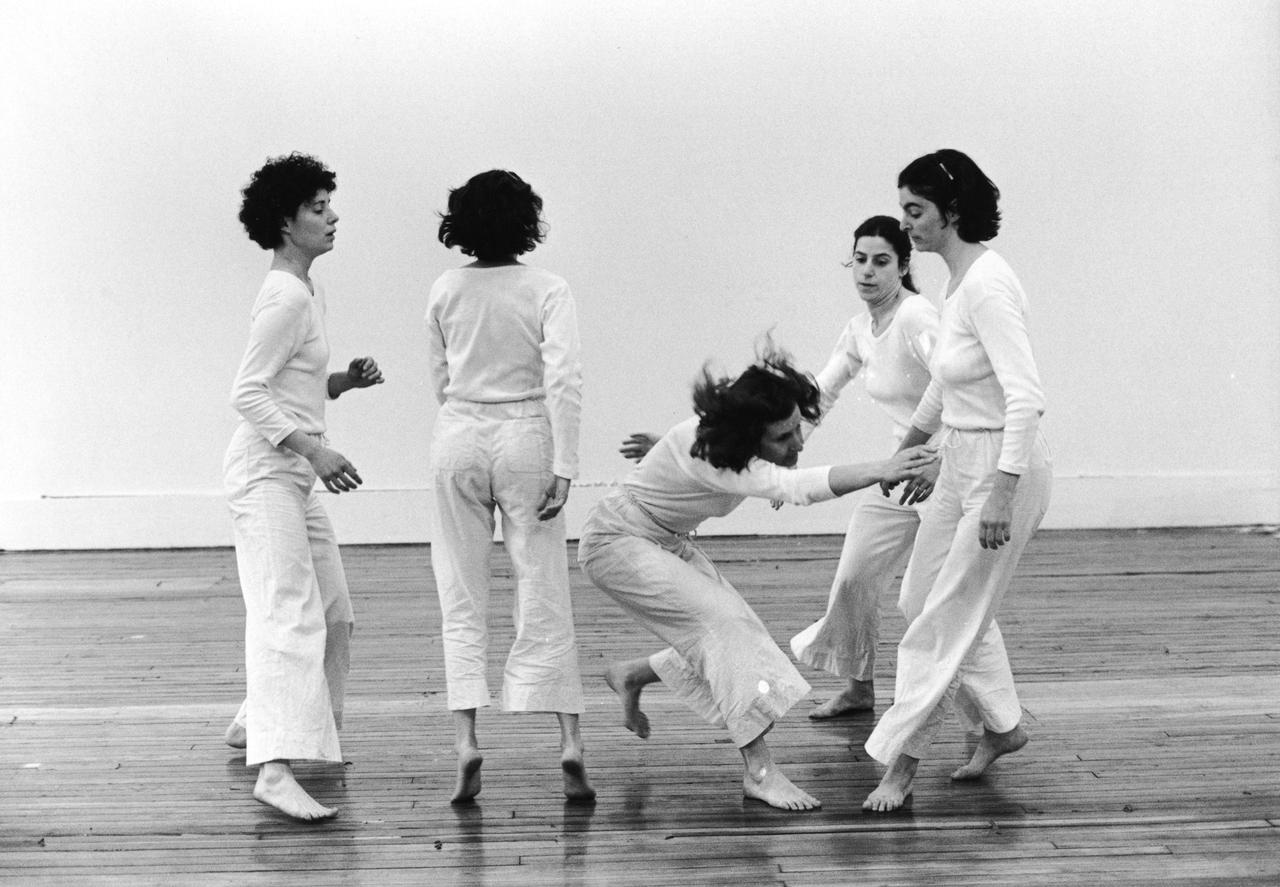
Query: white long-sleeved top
x: 894, y: 363
x: 679, y: 492
x: 509, y: 333
x: 984, y: 373
x: 283, y: 380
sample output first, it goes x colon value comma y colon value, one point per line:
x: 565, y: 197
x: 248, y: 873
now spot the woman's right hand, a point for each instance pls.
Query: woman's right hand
x: 637, y: 445
x: 907, y: 464
x: 333, y: 469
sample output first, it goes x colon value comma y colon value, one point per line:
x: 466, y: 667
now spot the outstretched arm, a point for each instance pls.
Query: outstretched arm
x: 903, y: 465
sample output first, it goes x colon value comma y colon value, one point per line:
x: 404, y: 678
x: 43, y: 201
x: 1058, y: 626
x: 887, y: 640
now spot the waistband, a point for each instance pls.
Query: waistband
x: 530, y: 408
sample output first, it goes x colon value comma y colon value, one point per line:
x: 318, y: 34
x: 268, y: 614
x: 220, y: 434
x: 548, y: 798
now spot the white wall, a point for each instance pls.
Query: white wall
x: 702, y: 165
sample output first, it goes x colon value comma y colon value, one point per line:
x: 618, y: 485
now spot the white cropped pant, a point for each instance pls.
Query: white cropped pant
x: 952, y: 651
x: 843, y: 642
x: 722, y: 662
x: 498, y: 456
x: 298, y: 617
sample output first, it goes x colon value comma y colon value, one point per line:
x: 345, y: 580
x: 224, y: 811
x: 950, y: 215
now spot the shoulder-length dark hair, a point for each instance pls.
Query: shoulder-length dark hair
x: 888, y: 228
x: 277, y: 190
x: 733, y: 413
x: 954, y: 183
x: 494, y: 215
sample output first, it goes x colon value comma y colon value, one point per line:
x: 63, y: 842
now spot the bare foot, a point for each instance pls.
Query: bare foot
x: 622, y: 679
x: 894, y: 790
x: 776, y: 790
x: 990, y: 747
x: 858, y: 696
x: 236, y: 736
x: 469, y: 761
x: 278, y: 788
x: 576, y: 787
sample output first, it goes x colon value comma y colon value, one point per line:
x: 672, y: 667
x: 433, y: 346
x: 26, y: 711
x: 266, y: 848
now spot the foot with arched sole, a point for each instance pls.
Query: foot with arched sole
x: 991, y: 747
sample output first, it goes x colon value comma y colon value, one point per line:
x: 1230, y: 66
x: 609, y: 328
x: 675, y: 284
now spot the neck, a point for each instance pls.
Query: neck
x: 882, y: 308
x: 959, y: 255
x: 494, y: 263
x: 289, y: 258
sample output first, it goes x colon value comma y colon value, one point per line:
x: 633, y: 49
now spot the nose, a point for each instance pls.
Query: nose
x: 905, y: 224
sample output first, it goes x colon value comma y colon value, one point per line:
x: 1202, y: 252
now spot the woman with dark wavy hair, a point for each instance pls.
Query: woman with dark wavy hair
x: 744, y: 440
x: 888, y: 345
x: 298, y: 617
x: 985, y: 400
x: 502, y: 339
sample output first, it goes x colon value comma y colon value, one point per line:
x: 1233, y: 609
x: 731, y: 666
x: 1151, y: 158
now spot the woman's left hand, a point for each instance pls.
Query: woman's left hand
x: 997, y: 518
x: 364, y: 372
x: 921, y: 486
x: 553, y: 498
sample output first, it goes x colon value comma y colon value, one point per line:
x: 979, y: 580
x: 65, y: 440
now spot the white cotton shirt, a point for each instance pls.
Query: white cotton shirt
x: 894, y: 363
x: 504, y: 334
x: 283, y: 380
x: 984, y: 373
x: 679, y: 492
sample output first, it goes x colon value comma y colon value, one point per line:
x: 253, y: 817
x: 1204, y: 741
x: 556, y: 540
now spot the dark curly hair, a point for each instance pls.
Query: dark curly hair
x: 733, y: 413
x: 887, y: 227
x: 954, y: 183
x: 277, y: 190
x: 494, y: 215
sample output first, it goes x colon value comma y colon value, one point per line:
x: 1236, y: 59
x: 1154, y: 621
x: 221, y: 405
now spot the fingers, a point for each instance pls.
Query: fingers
x: 364, y: 371
x: 343, y: 480
x: 550, y: 507
x: 993, y: 534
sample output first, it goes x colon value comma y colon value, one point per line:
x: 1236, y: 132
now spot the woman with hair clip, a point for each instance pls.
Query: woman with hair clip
x: 991, y: 494
x: 889, y: 345
x: 502, y: 339
x: 744, y: 440
x: 298, y: 617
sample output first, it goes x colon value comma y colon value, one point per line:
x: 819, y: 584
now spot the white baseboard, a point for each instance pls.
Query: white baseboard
x: 200, y: 520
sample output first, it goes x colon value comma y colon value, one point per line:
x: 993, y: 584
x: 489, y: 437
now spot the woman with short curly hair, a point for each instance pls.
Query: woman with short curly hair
x: 744, y: 440
x: 298, y: 617
x: 502, y: 341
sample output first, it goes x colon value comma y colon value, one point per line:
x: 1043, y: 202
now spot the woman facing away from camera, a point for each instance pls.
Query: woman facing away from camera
x: 744, y: 440
x: 502, y: 340
x: 992, y: 492
x: 298, y: 617
x: 889, y: 346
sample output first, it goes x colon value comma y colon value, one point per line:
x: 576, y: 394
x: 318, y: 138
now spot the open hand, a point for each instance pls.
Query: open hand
x: 637, y: 445
x: 333, y: 469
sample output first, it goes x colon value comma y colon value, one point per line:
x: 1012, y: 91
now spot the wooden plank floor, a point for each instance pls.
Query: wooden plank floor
x: 1149, y: 665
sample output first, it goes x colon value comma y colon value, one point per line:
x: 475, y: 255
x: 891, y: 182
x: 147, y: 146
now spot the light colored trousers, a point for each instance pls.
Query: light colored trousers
x: 876, y: 544
x: 498, y: 456
x: 952, y: 651
x: 722, y: 662
x: 298, y: 617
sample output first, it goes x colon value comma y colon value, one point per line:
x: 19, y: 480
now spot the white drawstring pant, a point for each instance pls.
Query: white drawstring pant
x: 952, y: 651
x: 843, y: 642
x: 722, y: 662
x: 487, y: 456
x: 298, y: 617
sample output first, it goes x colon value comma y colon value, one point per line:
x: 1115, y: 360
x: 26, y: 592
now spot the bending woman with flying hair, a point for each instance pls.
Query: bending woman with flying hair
x: 636, y: 546
x: 991, y: 494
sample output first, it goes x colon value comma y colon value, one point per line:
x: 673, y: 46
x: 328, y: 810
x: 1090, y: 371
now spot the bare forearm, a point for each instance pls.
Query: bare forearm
x: 847, y: 478
x: 914, y: 438
x: 339, y: 383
